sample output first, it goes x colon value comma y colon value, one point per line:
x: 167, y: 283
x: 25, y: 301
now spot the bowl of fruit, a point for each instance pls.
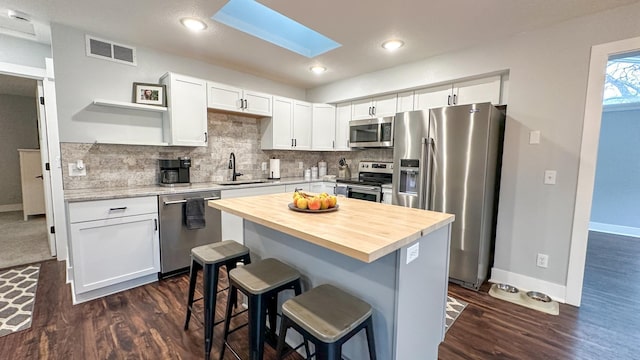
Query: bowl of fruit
x: 319, y: 203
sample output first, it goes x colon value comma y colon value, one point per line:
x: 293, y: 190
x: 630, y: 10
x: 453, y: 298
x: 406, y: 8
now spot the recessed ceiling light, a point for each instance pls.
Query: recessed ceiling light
x: 318, y: 69
x: 193, y: 24
x: 391, y: 45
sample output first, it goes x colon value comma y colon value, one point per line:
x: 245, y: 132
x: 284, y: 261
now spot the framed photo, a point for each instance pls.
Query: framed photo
x: 149, y: 94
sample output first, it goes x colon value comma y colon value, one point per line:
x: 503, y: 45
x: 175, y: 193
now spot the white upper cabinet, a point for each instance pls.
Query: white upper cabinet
x: 230, y: 98
x: 323, y: 127
x: 380, y: 106
x: 290, y: 126
x: 433, y: 97
x: 302, y: 115
x: 478, y: 91
x: 405, y: 102
x: 468, y: 92
x: 343, y: 116
x: 185, y: 122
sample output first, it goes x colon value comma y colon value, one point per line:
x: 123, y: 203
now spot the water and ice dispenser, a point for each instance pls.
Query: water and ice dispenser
x: 409, y: 176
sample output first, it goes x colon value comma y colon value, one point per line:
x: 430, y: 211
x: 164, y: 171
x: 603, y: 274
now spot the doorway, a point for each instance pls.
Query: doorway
x: 24, y: 237
x: 600, y: 56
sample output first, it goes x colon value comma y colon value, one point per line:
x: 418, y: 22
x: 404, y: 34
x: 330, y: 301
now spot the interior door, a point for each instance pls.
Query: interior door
x: 46, y: 174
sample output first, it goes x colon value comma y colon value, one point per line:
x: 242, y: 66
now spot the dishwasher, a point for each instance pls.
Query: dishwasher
x: 176, y: 241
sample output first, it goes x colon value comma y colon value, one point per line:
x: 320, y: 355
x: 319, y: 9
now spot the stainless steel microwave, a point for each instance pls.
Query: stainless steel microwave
x: 377, y: 132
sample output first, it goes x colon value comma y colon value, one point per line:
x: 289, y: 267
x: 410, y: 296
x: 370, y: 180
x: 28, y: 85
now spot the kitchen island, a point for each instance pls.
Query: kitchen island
x: 394, y: 258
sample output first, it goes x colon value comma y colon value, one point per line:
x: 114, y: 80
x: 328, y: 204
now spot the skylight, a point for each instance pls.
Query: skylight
x: 262, y: 22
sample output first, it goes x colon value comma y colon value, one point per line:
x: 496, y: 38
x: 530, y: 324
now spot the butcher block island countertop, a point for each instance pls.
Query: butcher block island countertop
x: 359, y: 229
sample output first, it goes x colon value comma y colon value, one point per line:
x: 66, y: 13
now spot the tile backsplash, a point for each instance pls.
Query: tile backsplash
x: 113, y: 166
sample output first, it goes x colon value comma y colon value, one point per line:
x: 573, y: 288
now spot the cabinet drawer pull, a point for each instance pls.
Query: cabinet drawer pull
x: 455, y: 99
x: 155, y: 221
x: 449, y: 100
x: 118, y: 209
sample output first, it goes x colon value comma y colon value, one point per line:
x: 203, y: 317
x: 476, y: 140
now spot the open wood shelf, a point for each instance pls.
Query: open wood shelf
x: 127, y: 105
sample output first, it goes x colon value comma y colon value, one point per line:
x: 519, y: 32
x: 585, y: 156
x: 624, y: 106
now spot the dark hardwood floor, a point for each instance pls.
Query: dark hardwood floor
x: 146, y: 322
x: 606, y: 326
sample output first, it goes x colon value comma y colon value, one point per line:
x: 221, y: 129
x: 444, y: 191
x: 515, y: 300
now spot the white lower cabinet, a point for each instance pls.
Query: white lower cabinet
x: 114, y: 245
x: 387, y: 194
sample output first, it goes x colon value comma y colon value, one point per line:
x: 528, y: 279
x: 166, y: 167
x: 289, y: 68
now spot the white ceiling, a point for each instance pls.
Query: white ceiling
x: 11, y: 85
x: 428, y: 27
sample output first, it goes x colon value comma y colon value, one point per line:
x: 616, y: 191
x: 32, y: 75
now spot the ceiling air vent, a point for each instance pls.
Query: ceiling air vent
x: 108, y: 50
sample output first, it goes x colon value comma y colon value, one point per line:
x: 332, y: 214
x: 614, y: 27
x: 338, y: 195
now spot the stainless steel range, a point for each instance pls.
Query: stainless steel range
x: 371, y: 176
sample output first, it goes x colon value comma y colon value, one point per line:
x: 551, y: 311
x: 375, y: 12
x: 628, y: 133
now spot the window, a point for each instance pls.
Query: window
x: 622, y: 80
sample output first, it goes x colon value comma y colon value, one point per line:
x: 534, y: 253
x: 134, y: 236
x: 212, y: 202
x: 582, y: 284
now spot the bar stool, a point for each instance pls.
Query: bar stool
x: 261, y: 282
x: 210, y: 258
x: 328, y: 317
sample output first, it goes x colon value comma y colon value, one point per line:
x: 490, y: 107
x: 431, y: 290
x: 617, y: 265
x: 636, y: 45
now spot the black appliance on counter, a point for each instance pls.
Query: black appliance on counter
x: 371, y: 176
x: 174, y: 172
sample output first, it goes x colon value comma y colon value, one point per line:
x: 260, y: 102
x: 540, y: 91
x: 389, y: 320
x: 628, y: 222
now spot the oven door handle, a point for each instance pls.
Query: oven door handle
x: 184, y: 201
x: 363, y: 188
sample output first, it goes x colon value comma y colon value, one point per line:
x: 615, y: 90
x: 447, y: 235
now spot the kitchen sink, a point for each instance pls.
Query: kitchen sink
x: 242, y: 182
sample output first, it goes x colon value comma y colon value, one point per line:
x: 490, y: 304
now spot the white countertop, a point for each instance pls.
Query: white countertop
x: 153, y: 190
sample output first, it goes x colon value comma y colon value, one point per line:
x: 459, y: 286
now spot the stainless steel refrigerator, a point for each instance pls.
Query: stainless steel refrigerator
x: 448, y: 159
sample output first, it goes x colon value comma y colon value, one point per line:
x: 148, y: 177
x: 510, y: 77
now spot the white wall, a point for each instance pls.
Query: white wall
x: 81, y: 79
x: 616, y: 196
x: 19, y: 130
x: 23, y: 52
x: 547, y: 85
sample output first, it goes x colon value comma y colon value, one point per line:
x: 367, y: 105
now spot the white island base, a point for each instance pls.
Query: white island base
x: 408, y: 300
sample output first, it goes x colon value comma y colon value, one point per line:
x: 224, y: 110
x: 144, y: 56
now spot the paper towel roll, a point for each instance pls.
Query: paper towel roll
x: 274, y: 168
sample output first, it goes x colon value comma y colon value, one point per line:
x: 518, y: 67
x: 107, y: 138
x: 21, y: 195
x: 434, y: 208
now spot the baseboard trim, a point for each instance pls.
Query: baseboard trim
x: 10, y: 207
x: 614, y: 229
x: 526, y: 283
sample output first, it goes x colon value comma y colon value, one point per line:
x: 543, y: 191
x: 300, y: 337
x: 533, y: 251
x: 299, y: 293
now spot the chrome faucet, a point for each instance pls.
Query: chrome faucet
x: 232, y: 166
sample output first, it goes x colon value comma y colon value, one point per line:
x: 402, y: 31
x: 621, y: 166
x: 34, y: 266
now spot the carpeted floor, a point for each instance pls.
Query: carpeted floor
x: 17, y: 298
x: 22, y: 242
x: 454, y: 308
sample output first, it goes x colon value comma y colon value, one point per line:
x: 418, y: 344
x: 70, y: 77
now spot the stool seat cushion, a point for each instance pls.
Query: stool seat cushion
x: 262, y: 276
x: 218, y: 252
x: 326, y: 312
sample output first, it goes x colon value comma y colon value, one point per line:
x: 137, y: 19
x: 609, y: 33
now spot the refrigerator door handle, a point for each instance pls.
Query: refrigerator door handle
x: 424, y: 199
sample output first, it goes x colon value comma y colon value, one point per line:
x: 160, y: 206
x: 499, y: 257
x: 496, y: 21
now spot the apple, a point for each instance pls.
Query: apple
x: 324, y: 203
x: 314, y: 203
x: 301, y: 203
x: 333, y: 200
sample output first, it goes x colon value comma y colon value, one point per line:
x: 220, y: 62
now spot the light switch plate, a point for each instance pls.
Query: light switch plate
x: 534, y: 137
x: 412, y: 252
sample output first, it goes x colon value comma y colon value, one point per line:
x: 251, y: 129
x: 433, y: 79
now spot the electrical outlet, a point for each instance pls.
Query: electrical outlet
x: 75, y: 170
x: 412, y: 252
x: 542, y: 260
x: 550, y: 177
